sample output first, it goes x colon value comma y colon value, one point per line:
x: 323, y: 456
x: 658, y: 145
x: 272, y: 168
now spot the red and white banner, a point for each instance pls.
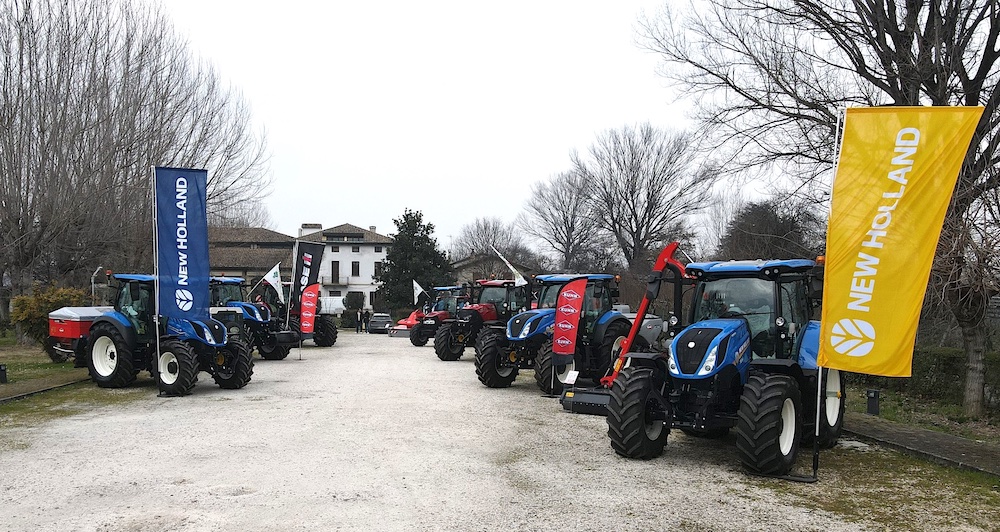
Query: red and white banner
x: 567, y: 324
x: 309, y: 297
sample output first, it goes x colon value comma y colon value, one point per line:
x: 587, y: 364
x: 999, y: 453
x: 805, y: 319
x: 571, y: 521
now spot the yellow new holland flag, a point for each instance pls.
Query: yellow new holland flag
x: 897, y: 169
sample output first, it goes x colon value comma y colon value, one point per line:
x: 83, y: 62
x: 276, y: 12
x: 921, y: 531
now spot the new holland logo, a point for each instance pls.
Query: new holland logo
x: 567, y: 309
x: 563, y: 342
x: 571, y: 295
x: 565, y: 325
x: 184, y: 299
x: 854, y: 338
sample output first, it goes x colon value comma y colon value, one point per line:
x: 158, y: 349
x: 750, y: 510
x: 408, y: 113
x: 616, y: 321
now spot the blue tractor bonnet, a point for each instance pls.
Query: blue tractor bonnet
x: 250, y: 312
x: 212, y: 333
x: 530, y: 323
x: 704, y: 347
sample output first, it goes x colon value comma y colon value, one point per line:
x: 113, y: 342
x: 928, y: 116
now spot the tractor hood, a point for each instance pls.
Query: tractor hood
x: 250, y: 312
x: 702, y: 349
x: 531, y: 323
x: 486, y: 311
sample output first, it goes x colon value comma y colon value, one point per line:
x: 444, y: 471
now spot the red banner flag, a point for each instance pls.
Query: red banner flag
x: 568, y: 307
x: 309, y: 297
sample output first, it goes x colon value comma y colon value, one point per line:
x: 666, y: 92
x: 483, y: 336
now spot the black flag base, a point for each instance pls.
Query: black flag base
x: 790, y: 478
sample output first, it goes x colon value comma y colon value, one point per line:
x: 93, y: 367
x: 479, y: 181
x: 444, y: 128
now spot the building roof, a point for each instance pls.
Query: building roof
x: 245, y: 235
x: 245, y: 258
x: 347, y: 233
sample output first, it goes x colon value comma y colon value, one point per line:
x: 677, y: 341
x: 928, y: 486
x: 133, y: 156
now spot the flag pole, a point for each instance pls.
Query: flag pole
x: 820, y: 396
x: 156, y: 271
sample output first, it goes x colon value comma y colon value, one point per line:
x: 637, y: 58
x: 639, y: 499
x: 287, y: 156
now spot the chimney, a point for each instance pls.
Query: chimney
x: 371, y: 228
x: 309, y: 228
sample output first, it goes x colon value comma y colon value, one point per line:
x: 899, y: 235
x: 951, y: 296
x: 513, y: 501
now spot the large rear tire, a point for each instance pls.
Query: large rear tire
x: 232, y: 366
x: 490, y: 359
x: 325, y: 332
x: 446, y: 347
x: 110, y: 360
x: 770, y: 424
x: 550, y: 379
x: 417, y: 336
x: 176, y: 368
x: 638, y: 424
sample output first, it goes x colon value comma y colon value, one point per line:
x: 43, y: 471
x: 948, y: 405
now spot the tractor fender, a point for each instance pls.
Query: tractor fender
x: 121, y: 323
x: 779, y: 366
x: 605, y: 321
x: 808, y: 346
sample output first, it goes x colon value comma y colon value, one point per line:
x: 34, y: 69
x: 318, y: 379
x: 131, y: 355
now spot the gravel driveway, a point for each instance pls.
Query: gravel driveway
x: 371, y: 434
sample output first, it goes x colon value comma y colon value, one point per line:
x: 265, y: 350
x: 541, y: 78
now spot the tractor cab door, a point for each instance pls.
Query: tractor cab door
x: 135, y: 301
x: 596, y: 302
x: 518, y: 300
x: 795, y: 311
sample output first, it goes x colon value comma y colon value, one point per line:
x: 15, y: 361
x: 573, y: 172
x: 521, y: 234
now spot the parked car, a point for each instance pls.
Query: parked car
x: 379, y: 323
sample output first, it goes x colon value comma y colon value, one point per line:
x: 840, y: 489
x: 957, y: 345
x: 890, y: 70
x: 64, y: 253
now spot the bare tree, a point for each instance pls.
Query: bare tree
x: 769, y: 78
x: 558, y: 214
x: 772, y: 230
x: 92, y: 94
x: 642, y: 186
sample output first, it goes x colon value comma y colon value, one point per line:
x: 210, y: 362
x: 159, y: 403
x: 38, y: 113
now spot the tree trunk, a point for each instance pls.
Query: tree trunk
x: 974, y: 341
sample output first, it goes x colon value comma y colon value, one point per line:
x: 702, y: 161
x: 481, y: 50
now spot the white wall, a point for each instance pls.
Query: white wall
x: 366, y: 256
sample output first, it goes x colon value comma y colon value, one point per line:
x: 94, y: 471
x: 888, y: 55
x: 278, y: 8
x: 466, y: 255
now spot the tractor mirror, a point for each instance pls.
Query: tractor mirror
x: 653, y: 287
x: 615, y: 293
x: 133, y: 291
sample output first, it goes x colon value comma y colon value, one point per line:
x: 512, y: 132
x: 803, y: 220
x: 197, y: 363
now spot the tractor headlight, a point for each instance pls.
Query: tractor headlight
x: 671, y: 365
x: 709, y: 364
x: 550, y: 329
x: 206, y: 333
x: 673, y: 321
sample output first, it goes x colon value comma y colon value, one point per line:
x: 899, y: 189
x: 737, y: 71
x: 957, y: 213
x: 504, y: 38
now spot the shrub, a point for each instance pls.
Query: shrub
x: 31, y: 312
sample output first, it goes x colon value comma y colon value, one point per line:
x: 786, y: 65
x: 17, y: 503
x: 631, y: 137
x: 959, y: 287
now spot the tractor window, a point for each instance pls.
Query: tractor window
x: 549, y: 295
x: 136, y: 302
x: 747, y: 297
x: 449, y: 304
x: 493, y: 294
x: 795, y: 305
x: 224, y: 293
x: 519, y: 298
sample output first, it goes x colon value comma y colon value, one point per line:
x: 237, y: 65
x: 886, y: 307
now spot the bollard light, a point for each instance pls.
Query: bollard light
x: 3, y: 373
x: 873, y: 402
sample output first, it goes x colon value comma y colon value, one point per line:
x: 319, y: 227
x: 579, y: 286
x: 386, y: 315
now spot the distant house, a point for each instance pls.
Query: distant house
x: 248, y: 252
x: 353, y: 257
x: 486, y: 266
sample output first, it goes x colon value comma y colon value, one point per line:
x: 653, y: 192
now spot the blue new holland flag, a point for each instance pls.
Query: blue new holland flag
x: 181, y: 242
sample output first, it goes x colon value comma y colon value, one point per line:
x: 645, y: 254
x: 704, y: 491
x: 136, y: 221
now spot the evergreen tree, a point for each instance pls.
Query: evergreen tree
x: 771, y: 230
x: 413, y: 256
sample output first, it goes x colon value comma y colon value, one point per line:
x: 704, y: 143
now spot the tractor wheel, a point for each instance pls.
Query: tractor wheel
x: 270, y: 350
x: 711, y: 434
x: 325, y: 330
x: 177, y: 368
x: 446, y: 347
x: 417, y: 336
x: 770, y: 424
x: 613, y: 337
x: 232, y: 365
x: 489, y: 356
x: 636, y: 423
x: 831, y: 415
x: 548, y: 378
x: 110, y: 360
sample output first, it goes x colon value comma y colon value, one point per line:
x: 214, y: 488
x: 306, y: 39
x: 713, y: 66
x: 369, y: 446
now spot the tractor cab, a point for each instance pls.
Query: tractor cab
x: 136, y: 302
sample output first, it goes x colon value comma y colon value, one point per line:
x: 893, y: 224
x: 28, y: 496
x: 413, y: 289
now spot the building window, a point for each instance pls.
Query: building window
x: 334, y: 248
x: 378, y: 249
x: 335, y: 271
x: 351, y: 294
x: 335, y: 293
x: 356, y: 249
x: 332, y: 293
x: 378, y: 269
x: 356, y: 269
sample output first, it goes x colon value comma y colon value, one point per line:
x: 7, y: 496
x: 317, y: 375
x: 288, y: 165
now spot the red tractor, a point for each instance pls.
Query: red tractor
x: 495, y: 302
x: 447, y: 301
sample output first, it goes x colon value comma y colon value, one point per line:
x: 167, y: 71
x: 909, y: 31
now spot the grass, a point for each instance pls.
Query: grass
x: 929, y: 414
x: 25, y: 363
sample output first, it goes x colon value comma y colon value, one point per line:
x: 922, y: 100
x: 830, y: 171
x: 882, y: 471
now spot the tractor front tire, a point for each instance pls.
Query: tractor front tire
x: 417, y: 336
x: 232, y: 366
x: 110, y: 361
x: 270, y: 350
x: 489, y: 357
x: 177, y: 368
x: 635, y: 415
x: 550, y: 379
x: 325, y: 331
x: 769, y: 426
x: 445, y: 347
x: 613, y: 336
x: 831, y: 415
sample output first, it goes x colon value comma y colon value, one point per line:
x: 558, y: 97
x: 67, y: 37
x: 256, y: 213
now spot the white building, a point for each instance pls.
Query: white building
x: 353, y: 256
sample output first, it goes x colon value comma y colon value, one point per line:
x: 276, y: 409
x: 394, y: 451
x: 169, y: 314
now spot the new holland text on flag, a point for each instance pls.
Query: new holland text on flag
x: 895, y: 176
x: 182, y: 263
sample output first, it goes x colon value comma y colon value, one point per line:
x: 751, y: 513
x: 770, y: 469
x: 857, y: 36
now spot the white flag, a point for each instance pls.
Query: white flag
x: 416, y: 291
x: 519, y: 279
x: 273, y: 278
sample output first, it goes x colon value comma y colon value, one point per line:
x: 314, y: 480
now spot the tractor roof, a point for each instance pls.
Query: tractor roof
x: 555, y: 278
x: 447, y: 288
x: 495, y: 282
x: 226, y: 280
x: 142, y: 277
x: 744, y: 268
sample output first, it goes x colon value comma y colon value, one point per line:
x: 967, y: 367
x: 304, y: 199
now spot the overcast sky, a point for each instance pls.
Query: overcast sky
x: 451, y: 108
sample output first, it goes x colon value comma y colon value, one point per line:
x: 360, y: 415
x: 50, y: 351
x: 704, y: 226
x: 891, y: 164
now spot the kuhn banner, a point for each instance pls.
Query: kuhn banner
x: 181, y: 242
x: 308, y: 257
x: 895, y: 175
x: 309, y: 298
x: 569, y: 305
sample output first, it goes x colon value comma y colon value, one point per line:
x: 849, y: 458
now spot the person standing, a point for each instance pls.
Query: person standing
x: 367, y: 318
x: 359, y: 323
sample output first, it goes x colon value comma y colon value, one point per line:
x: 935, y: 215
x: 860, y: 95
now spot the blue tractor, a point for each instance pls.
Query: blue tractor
x: 746, y: 361
x: 527, y: 341
x: 252, y: 322
x: 124, y: 341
